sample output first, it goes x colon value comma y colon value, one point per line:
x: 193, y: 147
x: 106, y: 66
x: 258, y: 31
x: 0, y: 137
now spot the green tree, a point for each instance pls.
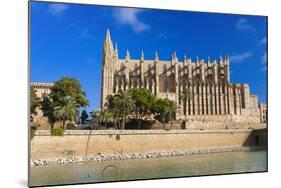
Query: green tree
x: 184, y: 96
x: 114, y: 109
x: 68, y: 87
x: 66, y: 110
x: 34, y: 101
x: 143, y: 100
x: 105, y: 116
x: 161, y: 109
x: 124, y: 101
x: 116, y: 117
x: 47, y: 107
x: 94, y: 117
x: 84, y: 116
x: 110, y: 102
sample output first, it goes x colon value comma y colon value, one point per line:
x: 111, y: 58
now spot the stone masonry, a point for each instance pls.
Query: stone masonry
x: 209, y: 82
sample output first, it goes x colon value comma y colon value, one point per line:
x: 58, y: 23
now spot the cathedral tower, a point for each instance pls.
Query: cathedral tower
x: 109, y: 56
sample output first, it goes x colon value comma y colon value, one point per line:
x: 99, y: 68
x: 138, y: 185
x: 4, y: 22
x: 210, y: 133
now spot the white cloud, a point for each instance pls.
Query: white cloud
x: 130, y: 16
x: 263, y: 41
x: 57, y: 9
x: 239, y: 58
x: 243, y: 25
x: 86, y: 34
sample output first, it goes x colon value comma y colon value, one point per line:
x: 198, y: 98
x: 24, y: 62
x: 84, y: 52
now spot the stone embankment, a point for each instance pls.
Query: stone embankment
x: 131, y: 156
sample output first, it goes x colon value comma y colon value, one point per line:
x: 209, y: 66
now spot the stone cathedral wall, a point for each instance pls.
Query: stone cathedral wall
x: 208, y: 81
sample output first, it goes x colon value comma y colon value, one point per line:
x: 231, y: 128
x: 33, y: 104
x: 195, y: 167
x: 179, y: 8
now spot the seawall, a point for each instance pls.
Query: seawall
x: 74, y: 143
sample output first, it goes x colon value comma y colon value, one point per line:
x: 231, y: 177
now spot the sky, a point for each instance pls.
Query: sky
x: 66, y: 40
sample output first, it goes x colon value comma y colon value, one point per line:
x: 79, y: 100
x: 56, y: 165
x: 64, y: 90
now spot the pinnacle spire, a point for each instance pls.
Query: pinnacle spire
x: 184, y: 60
x: 197, y: 61
x: 107, y: 38
x: 215, y: 61
x: 221, y: 60
x: 227, y: 60
x: 209, y: 61
x: 142, y: 55
x: 156, y: 55
x: 127, y: 55
x: 116, y: 50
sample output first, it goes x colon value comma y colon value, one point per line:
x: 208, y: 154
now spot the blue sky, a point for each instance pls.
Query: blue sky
x: 67, y: 40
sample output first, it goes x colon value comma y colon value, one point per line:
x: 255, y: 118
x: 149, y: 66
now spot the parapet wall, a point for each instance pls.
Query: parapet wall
x: 247, y: 118
x: 73, y: 143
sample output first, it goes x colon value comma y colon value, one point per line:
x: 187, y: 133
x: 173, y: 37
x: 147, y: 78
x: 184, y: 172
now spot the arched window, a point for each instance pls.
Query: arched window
x: 149, y: 69
x: 114, y: 86
x: 135, y: 71
x: 119, y: 84
x: 166, y: 86
x: 165, y: 70
x: 150, y: 85
x: 122, y: 69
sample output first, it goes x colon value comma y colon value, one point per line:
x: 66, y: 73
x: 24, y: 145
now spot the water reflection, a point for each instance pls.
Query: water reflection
x: 219, y: 163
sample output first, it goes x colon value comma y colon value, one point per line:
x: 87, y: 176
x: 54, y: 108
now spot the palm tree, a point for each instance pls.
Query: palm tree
x: 104, y: 116
x: 172, y: 107
x: 124, y: 100
x: 116, y: 117
x: 67, y: 109
x: 185, y: 95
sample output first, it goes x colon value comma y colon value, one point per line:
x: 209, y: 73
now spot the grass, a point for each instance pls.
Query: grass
x: 118, y: 137
x: 57, y: 132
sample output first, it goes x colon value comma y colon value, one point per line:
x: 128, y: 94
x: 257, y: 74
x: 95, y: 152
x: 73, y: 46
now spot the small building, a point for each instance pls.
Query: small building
x: 263, y: 112
x: 42, y: 89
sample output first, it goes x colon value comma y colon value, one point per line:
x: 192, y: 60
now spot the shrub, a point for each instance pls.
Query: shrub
x: 88, y: 127
x: 71, y: 126
x: 32, y: 132
x: 57, y: 132
x: 101, y: 128
x: 118, y: 137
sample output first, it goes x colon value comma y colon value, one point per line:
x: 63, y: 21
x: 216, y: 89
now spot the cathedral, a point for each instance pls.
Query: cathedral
x: 212, y: 94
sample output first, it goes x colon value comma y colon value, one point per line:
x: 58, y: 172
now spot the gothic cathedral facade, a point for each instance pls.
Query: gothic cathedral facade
x: 212, y: 93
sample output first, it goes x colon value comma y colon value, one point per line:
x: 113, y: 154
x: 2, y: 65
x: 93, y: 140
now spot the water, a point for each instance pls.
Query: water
x: 194, y: 165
